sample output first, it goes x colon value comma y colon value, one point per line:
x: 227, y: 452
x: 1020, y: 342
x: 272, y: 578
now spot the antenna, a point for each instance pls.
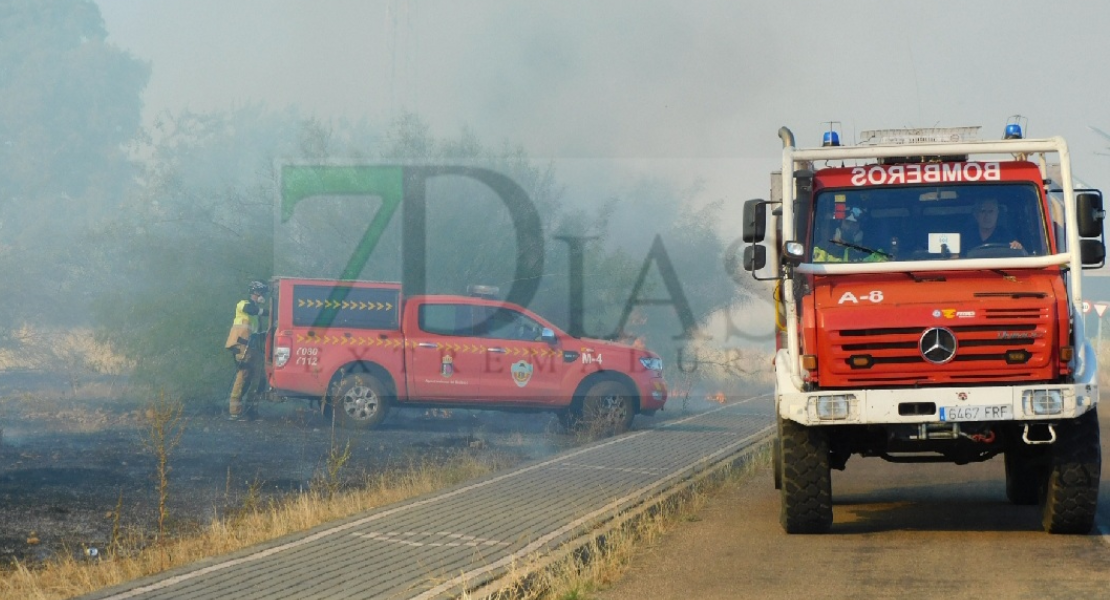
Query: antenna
x: 831, y: 137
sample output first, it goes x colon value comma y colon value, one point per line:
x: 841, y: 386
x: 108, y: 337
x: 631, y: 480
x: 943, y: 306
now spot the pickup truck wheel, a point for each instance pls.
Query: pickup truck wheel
x: 1024, y: 478
x: 608, y: 408
x: 806, y: 479
x: 359, y: 401
x: 1071, y: 494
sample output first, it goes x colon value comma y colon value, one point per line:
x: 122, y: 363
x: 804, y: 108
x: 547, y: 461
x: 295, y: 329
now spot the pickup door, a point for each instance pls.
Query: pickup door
x: 521, y: 368
x: 475, y: 350
x: 446, y: 362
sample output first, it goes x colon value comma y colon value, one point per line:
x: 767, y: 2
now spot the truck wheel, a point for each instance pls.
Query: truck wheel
x: 1071, y: 493
x: 776, y: 462
x: 608, y: 408
x: 359, y: 401
x: 806, y: 479
x: 1024, y: 478
x: 776, y: 457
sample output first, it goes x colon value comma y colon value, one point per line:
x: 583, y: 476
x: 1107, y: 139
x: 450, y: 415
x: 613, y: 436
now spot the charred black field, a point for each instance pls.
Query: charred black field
x: 76, y: 463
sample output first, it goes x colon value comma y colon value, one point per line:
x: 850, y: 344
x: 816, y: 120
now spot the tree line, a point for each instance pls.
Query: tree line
x: 150, y: 234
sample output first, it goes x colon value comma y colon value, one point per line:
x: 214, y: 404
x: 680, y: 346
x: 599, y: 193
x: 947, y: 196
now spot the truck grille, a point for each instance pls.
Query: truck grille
x: 1003, y: 344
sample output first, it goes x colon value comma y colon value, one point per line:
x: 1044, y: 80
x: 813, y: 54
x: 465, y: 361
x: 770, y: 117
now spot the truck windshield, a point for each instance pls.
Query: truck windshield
x: 914, y: 223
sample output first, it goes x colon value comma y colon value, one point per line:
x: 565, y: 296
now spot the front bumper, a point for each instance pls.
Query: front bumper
x: 653, y: 394
x: 1026, y: 402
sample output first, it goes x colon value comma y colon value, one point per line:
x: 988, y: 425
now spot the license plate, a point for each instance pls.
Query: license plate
x: 999, y: 412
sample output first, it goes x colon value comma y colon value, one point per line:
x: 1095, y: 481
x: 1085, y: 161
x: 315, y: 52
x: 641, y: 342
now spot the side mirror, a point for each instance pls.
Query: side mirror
x: 1092, y: 253
x: 1089, y: 213
x: 793, y: 253
x: 755, y: 221
x: 548, y: 336
x: 755, y: 258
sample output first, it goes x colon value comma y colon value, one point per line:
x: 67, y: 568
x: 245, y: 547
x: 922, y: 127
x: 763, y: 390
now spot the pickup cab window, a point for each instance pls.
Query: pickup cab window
x: 466, y: 320
x: 446, y: 319
x: 508, y: 324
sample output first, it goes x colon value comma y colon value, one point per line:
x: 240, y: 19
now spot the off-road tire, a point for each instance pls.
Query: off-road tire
x: 358, y: 401
x: 1070, y: 495
x: 776, y: 456
x: 806, y: 479
x: 608, y: 408
x: 1024, y: 478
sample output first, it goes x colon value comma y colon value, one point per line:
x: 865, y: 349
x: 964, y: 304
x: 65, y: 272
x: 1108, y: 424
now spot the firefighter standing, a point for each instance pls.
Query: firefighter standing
x: 246, y: 345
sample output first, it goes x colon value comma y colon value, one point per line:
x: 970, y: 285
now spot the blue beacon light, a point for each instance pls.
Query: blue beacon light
x: 1013, y: 132
x: 830, y: 139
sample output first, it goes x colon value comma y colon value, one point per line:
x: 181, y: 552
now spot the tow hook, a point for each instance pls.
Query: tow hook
x: 1050, y: 440
x: 983, y: 438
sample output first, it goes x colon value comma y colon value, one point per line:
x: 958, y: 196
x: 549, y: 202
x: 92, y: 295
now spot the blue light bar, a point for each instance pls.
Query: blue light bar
x: 1013, y: 132
x: 830, y: 139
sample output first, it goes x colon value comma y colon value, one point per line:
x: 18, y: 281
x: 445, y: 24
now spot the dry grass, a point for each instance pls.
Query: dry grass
x: 133, y: 555
x: 606, y: 557
x: 75, y: 350
x: 1104, y: 366
x: 167, y: 425
x: 72, y: 356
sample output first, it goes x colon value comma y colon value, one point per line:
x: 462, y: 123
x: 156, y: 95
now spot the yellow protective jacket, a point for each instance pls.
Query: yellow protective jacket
x: 822, y: 255
x: 244, y: 324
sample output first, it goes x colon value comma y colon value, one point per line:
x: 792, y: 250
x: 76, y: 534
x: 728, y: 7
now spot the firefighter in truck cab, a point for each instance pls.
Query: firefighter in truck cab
x: 848, y: 242
x: 246, y: 346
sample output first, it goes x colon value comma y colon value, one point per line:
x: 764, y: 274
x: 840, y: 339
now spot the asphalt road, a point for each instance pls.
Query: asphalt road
x: 899, y: 531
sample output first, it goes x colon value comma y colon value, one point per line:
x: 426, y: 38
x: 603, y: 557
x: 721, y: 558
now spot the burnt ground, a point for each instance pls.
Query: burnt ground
x: 68, y: 452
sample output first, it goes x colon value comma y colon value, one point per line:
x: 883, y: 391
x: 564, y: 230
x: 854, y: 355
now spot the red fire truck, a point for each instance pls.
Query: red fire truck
x: 363, y: 348
x: 928, y: 298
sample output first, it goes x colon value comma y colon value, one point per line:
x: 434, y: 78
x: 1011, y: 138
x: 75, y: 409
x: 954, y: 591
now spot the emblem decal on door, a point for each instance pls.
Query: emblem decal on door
x: 522, y: 373
x: 448, y: 368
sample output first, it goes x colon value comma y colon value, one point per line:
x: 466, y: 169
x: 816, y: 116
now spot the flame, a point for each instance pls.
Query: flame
x: 719, y: 397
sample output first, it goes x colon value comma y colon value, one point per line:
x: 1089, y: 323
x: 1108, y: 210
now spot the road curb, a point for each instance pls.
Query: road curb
x: 711, y: 473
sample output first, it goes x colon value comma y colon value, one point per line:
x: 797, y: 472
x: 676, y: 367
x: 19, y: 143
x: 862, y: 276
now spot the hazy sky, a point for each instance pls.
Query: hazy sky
x: 637, y: 79
x: 700, y: 87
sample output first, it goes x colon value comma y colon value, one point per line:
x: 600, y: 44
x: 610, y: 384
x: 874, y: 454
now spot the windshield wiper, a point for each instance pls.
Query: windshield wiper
x: 918, y: 279
x: 860, y: 248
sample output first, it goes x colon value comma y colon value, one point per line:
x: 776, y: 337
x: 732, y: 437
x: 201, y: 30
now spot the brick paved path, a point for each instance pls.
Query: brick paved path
x: 438, y: 545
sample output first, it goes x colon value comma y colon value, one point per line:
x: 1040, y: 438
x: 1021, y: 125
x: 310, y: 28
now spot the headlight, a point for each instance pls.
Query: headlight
x: 1042, y: 402
x: 831, y: 408
x: 794, y: 250
x: 281, y: 356
x: 652, y: 364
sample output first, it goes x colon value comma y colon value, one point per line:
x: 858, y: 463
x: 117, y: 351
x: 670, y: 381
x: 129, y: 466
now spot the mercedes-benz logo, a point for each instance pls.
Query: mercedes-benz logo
x: 938, y: 345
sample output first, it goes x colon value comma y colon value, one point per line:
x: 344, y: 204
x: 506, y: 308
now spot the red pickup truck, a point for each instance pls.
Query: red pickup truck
x: 362, y: 348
